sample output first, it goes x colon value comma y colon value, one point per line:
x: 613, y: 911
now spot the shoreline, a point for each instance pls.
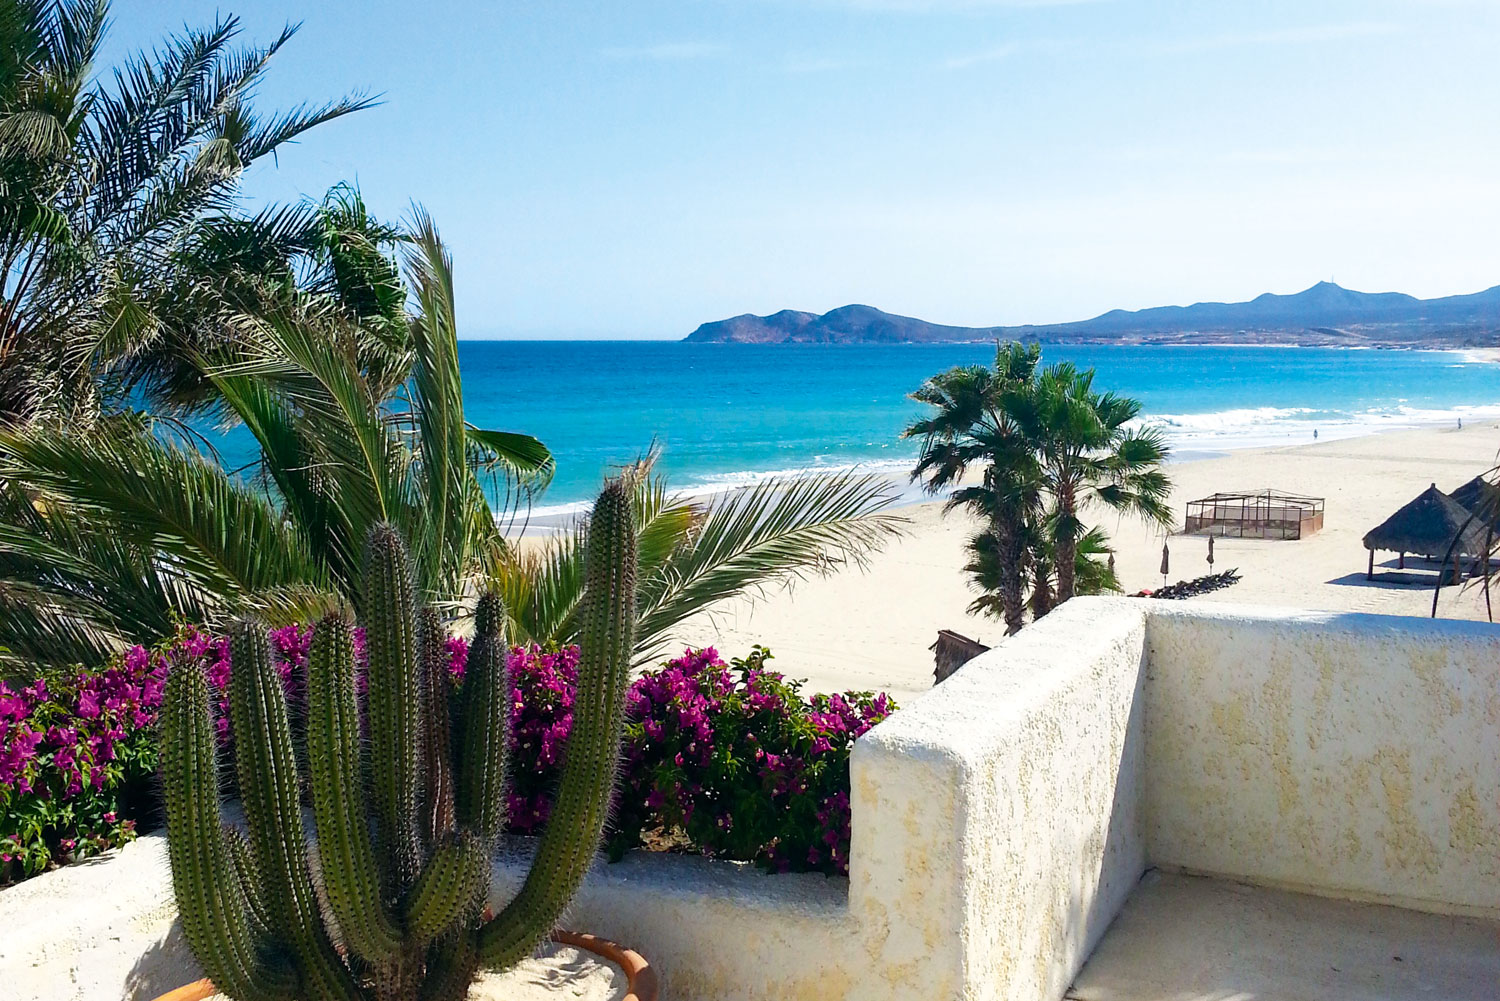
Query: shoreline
x: 871, y: 630
x: 549, y: 519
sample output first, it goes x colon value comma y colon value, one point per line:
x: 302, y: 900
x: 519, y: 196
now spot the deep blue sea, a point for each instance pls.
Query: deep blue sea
x: 727, y: 414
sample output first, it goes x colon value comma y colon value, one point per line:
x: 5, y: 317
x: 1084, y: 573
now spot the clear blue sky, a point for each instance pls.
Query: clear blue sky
x: 633, y: 169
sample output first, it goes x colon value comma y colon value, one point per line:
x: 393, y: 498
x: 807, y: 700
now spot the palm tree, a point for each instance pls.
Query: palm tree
x: 985, y: 566
x: 110, y: 538
x: 331, y: 256
x: 1048, y: 445
x: 973, y: 425
x: 1089, y: 453
x: 104, y: 180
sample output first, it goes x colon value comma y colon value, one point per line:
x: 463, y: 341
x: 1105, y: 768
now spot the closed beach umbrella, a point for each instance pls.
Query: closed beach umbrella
x: 1210, y: 552
x: 1166, y: 560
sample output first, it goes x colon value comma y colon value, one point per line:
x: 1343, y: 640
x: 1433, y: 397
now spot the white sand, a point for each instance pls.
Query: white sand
x: 871, y: 630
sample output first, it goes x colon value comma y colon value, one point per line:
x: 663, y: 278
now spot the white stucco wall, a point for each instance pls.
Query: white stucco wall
x: 104, y: 929
x: 1001, y: 821
x: 1355, y: 755
x: 996, y: 829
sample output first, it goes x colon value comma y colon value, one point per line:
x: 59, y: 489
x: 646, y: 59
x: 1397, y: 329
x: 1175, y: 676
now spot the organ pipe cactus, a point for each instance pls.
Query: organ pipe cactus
x: 407, y: 813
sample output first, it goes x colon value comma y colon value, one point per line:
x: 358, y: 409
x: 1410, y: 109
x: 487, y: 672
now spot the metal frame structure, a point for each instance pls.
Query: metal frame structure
x: 1254, y: 514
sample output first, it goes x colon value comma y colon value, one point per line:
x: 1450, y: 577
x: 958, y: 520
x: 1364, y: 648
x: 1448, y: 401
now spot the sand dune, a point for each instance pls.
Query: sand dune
x: 871, y: 630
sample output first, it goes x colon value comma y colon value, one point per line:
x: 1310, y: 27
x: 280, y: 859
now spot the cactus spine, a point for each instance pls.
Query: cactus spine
x: 406, y: 821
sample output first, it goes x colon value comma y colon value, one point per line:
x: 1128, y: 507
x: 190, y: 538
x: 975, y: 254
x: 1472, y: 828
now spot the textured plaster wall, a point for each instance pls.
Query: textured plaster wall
x: 106, y: 929
x: 996, y: 829
x: 1353, y: 755
x: 717, y: 929
x: 1001, y: 820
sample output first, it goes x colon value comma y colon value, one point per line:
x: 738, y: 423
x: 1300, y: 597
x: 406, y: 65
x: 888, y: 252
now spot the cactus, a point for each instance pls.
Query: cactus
x: 406, y: 819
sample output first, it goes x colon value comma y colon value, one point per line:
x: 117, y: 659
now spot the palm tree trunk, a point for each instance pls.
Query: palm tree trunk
x: 1012, y: 576
x: 1066, y: 544
x: 1041, y: 591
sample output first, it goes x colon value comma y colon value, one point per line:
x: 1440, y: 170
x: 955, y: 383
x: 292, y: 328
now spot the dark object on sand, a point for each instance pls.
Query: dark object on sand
x: 1196, y: 586
x: 952, y: 651
x: 1432, y: 524
x: 1254, y: 514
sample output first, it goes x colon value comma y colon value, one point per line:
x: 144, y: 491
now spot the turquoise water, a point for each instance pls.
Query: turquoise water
x: 727, y: 414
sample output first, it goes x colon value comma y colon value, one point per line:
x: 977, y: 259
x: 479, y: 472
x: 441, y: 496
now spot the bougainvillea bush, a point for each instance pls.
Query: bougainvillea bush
x: 75, y: 754
x: 727, y: 759
x: 78, y: 755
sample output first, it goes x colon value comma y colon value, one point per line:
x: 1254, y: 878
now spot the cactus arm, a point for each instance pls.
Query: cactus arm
x: 267, y: 768
x: 456, y: 876
x: 485, y: 724
x: 351, y: 875
x: 242, y: 860
x: 394, y: 701
x: 216, y: 920
x: 607, y: 619
x: 437, y: 752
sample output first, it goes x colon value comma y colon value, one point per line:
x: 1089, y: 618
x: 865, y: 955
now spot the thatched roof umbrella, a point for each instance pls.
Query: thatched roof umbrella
x: 1432, y: 524
x: 1480, y: 498
x: 952, y: 651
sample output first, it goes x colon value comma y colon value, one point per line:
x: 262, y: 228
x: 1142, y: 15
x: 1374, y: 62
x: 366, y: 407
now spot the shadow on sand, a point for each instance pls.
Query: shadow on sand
x: 166, y: 966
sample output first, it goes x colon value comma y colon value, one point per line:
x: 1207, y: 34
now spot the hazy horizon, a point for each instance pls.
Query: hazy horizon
x: 635, y: 170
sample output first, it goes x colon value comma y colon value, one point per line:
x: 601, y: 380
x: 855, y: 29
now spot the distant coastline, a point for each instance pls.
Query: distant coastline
x: 1323, y: 316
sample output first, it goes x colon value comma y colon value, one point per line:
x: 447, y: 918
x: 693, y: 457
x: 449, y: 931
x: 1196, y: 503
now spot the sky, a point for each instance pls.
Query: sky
x: 634, y: 169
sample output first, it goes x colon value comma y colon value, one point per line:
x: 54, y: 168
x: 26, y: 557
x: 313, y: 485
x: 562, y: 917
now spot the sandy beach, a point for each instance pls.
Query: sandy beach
x: 871, y: 629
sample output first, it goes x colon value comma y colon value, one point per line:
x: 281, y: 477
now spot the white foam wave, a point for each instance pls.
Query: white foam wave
x: 1190, y: 435
x: 1265, y: 426
x: 1225, y: 420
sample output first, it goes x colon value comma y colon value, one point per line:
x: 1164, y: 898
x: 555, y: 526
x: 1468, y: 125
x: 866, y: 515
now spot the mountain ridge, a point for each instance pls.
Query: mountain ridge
x: 1324, y: 314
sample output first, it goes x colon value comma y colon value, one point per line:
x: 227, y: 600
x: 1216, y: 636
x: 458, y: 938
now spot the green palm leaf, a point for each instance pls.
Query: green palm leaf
x: 216, y: 532
x: 519, y: 455
x: 776, y: 532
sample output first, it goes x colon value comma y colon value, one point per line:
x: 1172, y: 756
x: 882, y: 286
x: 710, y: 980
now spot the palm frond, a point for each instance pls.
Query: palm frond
x: 437, y: 411
x: 776, y: 532
x: 519, y: 455
x: 212, y: 530
x: 360, y: 464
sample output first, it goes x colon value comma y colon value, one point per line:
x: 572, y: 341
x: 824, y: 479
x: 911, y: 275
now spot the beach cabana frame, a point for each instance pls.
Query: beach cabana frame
x: 1254, y: 514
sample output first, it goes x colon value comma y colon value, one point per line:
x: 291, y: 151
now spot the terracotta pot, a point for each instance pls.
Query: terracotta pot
x: 642, y: 978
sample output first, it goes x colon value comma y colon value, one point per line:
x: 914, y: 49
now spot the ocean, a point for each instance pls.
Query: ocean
x: 725, y: 415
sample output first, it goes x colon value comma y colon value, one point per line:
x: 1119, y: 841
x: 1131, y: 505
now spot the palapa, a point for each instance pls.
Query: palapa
x: 1480, y: 498
x: 1432, y: 524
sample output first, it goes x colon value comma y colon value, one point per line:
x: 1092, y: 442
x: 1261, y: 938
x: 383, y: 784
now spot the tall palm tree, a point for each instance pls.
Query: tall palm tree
x: 1089, y: 453
x: 339, y: 453
x: 973, y: 425
x: 104, y: 179
x: 1048, y: 446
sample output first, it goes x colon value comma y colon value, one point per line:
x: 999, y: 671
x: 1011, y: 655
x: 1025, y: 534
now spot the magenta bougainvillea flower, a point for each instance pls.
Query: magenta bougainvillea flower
x: 727, y: 758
